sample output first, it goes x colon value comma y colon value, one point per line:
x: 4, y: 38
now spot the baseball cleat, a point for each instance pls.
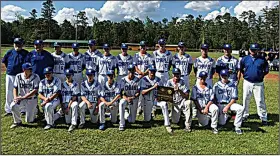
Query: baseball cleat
x: 169, y: 130
x: 188, y: 129
x: 238, y: 131
x: 23, y: 113
x: 244, y: 119
x: 81, y: 126
x: 102, y: 127
x: 14, y: 125
x: 121, y: 128
x: 71, y: 128
x: 7, y: 114
x: 264, y: 123
x: 215, y: 130
x: 47, y: 127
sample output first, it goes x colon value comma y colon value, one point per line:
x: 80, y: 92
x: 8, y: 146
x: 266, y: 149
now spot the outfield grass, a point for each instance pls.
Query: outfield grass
x: 32, y: 139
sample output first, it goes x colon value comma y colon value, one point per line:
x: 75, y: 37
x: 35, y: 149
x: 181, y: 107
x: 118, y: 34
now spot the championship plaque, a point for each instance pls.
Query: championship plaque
x: 165, y: 94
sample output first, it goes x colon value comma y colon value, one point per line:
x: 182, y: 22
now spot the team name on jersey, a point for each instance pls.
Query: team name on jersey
x: 162, y: 59
x: 58, y: 62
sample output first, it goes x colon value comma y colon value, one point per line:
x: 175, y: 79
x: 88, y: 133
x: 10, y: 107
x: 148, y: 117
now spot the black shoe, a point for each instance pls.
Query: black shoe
x: 147, y: 125
x: 264, y: 123
x: 109, y: 124
x: 8, y: 114
x: 23, y: 113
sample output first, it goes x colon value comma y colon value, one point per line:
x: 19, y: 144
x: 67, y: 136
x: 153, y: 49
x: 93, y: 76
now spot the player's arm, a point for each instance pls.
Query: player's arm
x: 30, y: 94
x: 190, y: 65
x: 194, y: 99
x: 195, y: 67
x: 184, y: 92
x: 234, y: 98
x: 210, y: 102
x: 86, y: 101
x: 5, y: 58
x: 266, y: 68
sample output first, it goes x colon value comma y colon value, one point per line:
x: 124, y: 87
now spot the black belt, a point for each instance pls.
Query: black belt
x: 223, y: 103
x: 162, y: 71
x: 31, y: 98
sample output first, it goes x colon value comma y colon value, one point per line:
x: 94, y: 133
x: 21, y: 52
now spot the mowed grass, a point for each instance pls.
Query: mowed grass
x: 32, y: 139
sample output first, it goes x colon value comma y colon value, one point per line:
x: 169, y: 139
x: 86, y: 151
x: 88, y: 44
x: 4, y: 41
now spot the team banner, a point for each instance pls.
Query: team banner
x: 165, y: 94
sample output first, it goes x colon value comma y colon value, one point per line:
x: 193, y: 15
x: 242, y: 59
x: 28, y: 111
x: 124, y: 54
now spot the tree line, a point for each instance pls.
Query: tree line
x: 226, y: 28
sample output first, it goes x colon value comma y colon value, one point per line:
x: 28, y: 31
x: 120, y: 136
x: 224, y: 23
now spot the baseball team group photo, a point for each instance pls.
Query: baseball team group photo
x: 94, y: 82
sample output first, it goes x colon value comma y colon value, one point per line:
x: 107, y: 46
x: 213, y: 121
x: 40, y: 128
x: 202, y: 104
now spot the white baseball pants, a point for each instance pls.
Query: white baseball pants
x: 258, y: 90
x: 30, y: 105
x: 234, y: 107
x: 213, y: 113
x: 9, y: 92
x: 163, y: 76
x: 78, y: 77
x: 82, y: 110
x: 186, y: 107
x: 102, y: 79
x: 72, y: 115
x: 132, y: 111
x: 62, y: 77
x: 49, y: 111
x: 113, y: 112
x: 208, y: 81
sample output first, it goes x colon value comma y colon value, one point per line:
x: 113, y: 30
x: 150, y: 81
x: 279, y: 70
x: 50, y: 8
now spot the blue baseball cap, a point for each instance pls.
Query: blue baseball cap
x: 106, y: 45
x: 176, y: 71
x: 227, y: 46
x: 202, y: 74
x: 57, y: 44
x: 224, y: 72
x: 18, y: 40
x: 161, y: 42
x: 90, y: 72
x: 152, y: 68
x: 181, y: 44
x: 143, y: 43
x: 110, y: 72
x: 48, y: 70
x: 254, y: 46
x: 91, y: 42
x: 131, y: 67
x: 204, y: 46
x: 37, y: 42
x: 69, y: 71
x: 75, y: 45
x: 124, y: 46
x: 26, y: 66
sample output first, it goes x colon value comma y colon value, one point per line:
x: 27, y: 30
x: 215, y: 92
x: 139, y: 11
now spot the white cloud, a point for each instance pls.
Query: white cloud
x: 65, y: 13
x: 8, y: 12
x: 202, y: 5
x: 255, y: 6
x: 214, y: 14
x: 181, y: 17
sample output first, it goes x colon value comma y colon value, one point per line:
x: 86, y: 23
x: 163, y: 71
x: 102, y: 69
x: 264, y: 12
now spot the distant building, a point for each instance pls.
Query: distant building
x: 65, y: 43
x: 170, y: 47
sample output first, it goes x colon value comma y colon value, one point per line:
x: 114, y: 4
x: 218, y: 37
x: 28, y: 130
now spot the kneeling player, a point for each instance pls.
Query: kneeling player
x: 49, y: 89
x: 26, y: 86
x: 180, y: 99
x: 202, y: 93
x: 149, y: 86
x: 225, y: 94
x: 70, y: 92
x: 109, y: 95
x: 89, y: 94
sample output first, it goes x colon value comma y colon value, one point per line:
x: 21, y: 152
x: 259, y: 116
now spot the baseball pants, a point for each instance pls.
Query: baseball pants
x: 102, y: 79
x: 82, y: 110
x: 30, y: 105
x: 49, y: 111
x: 72, y: 116
x: 113, y: 112
x: 78, y: 77
x: 9, y: 92
x: 213, y: 113
x: 62, y: 77
x: 186, y: 107
x: 132, y: 111
x: 208, y: 81
x: 163, y: 76
x: 258, y: 90
x: 234, y: 107
x: 187, y: 81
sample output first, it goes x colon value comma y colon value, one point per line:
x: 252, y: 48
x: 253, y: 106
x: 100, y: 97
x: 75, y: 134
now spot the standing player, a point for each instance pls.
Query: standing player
x: 90, y: 93
x: 225, y: 96
x: 149, y: 86
x: 106, y: 63
x: 123, y: 60
x: 70, y: 91
x: 49, y: 89
x: 13, y: 61
x: 61, y: 62
x: 205, y: 63
x: 202, y: 95
x: 180, y: 99
x: 130, y: 89
x: 254, y: 68
x: 109, y: 100
x: 26, y: 86
x: 77, y: 63
x: 92, y: 56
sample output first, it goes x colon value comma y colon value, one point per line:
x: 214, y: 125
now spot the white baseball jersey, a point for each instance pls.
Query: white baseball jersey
x: 146, y: 83
x: 202, y: 96
x: 162, y: 61
x: 76, y: 62
x: 129, y: 87
x: 49, y: 88
x: 24, y: 85
x: 60, y: 62
x: 110, y: 92
x: 228, y: 63
x: 91, y: 91
x: 183, y: 62
x: 205, y: 64
x: 224, y: 93
x: 67, y: 92
x: 106, y: 63
x: 142, y: 62
x: 177, y: 97
x: 91, y: 59
x: 122, y: 63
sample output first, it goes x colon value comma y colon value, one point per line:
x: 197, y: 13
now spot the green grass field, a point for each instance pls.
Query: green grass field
x: 32, y: 139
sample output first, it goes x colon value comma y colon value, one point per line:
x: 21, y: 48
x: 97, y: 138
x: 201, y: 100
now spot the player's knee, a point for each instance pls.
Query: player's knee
x: 214, y: 108
x: 48, y: 107
x: 188, y: 103
x: 101, y: 105
x: 122, y: 102
x: 13, y: 106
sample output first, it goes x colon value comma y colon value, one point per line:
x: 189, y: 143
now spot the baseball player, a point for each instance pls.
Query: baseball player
x: 109, y: 100
x: 228, y: 62
x: 202, y: 95
x: 92, y: 56
x: 49, y: 89
x: 149, y: 86
x: 61, y: 62
x: 225, y: 96
x: 26, y: 86
x: 123, y: 60
x: 254, y: 68
x: 13, y: 61
x: 180, y: 99
x: 90, y: 94
x: 130, y: 89
x: 70, y: 91
x: 77, y: 63
x: 105, y: 63
x: 241, y: 55
x: 205, y: 63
